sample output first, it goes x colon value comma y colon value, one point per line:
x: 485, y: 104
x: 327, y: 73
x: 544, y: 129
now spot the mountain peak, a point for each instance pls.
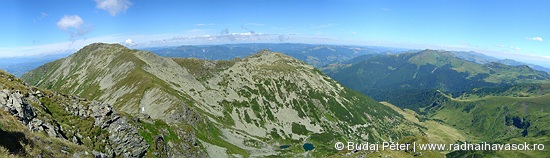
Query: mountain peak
x: 433, y: 57
x: 435, y: 52
x: 280, y: 62
x: 102, y: 48
x: 103, y: 45
x: 264, y: 53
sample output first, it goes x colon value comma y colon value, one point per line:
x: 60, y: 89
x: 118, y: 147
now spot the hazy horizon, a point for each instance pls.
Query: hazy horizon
x: 503, y: 29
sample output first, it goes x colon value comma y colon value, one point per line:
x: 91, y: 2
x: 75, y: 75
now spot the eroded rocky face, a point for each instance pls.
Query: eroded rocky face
x: 35, y: 110
x: 17, y: 105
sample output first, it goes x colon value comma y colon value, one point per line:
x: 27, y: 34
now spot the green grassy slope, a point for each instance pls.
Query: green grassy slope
x: 400, y: 78
x: 498, y: 119
x: 247, y: 106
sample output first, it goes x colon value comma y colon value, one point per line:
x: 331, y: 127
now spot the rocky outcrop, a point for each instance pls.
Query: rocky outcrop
x: 51, y: 130
x: 123, y: 138
x: 15, y: 104
x: 159, y: 146
x: 186, y: 115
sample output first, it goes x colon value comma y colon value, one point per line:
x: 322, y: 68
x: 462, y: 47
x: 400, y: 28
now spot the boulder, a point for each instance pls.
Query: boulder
x: 15, y: 104
x: 123, y: 136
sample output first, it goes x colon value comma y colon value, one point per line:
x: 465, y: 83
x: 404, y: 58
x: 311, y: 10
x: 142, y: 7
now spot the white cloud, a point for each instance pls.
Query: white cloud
x: 508, y: 47
x: 70, y: 21
x: 74, y: 25
x: 537, y: 39
x: 113, y: 6
x: 129, y: 42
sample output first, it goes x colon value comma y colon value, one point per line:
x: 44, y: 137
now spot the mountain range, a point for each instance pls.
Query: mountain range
x: 313, y: 54
x: 21, y: 65
x: 484, y: 59
x: 395, y: 77
x: 107, y: 100
x: 492, y: 102
x: 316, y: 55
x: 247, y: 106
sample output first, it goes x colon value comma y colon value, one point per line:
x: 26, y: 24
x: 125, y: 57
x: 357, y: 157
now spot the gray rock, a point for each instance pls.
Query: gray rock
x: 38, y: 94
x: 123, y: 137
x: 98, y: 154
x: 53, y: 131
x: 4, y: 97
x: 82, y: 154
x: 122, y: 140
x: 15, y: 104
x: 39, y: 125
x: 187, y: 115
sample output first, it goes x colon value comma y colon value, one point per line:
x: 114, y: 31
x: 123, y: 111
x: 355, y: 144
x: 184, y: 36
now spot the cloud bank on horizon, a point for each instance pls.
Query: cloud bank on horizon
x: 504, y: 29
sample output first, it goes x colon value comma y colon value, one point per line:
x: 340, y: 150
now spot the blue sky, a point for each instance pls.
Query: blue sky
x: 506, y: 29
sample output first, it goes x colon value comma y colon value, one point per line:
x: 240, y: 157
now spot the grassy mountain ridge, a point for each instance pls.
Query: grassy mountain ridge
x: 246, y: 106
x: 79, y: 127
x: 420, y: 74
x: 497, y: 119
x: 492, y: 102
x: 484, y: 59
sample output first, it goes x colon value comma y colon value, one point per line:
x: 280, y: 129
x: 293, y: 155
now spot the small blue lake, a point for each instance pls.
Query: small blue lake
x: 284, y: 146
x: 308, y: 146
